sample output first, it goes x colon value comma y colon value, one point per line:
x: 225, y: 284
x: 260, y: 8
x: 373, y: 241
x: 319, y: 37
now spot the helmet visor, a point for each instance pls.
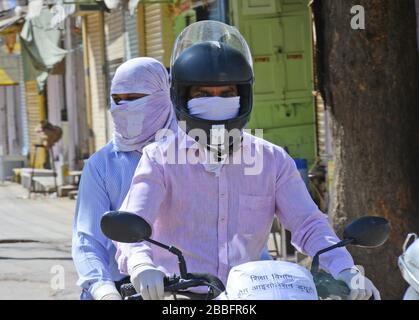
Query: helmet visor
x: 204, y: 31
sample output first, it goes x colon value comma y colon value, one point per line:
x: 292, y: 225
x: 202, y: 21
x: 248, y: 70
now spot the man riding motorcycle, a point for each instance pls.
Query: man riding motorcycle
x: 217, y: 210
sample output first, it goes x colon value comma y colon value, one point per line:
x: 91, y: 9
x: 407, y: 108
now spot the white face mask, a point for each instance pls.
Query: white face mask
x: 129, y: 117
x: 136, y: 122
x: 214, y: 108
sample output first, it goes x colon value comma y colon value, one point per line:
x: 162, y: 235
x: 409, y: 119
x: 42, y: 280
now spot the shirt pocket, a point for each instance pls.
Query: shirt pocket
x: 255, y: 215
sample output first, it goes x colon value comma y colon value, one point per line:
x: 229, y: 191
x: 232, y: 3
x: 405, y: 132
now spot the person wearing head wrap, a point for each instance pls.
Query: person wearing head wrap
x: 140, y: 107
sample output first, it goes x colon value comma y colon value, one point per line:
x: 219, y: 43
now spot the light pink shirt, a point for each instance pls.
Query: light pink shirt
x: 220, y: 222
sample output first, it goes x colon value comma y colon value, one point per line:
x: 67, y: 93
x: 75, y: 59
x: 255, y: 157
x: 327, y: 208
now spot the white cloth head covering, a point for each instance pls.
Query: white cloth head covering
x: 137, y: 122
x: 140, y: 75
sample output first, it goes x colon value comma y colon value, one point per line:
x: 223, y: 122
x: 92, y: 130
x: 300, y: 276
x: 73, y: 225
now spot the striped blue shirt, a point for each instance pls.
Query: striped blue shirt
x: 104, y: 183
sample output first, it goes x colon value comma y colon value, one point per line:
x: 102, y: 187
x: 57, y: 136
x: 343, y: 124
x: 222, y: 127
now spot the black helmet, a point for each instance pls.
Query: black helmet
x: 221, y: 58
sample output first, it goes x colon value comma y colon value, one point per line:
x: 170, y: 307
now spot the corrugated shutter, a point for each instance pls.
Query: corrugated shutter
x: 154, y: 31
x: 32, y: 110
x: 131, y: 35
x: 13, y: 120
x: 34, y: 118
x: 97, y: 78
x: 82, y: 125
x: 22, y: 111
x: 115, y: 50
x: 3, y: 123
x: 114, y: 32
x: 9, y: 121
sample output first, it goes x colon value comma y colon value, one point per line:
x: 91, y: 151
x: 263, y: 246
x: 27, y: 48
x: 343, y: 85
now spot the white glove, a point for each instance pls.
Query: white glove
x: 148, y: 281
x: 361, y: 287
x: 105, y: 290
x: 112, y: 296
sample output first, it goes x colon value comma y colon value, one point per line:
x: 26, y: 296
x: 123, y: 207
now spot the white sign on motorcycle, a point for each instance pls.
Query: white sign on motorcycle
x: 270, y: 280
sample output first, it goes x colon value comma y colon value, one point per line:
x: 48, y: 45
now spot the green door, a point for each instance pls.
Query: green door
x: 265, y: 39
x: 280, y: 37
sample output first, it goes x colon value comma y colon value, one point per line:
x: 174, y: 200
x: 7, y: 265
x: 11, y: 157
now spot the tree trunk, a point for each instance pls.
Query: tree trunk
x: 370, y: 81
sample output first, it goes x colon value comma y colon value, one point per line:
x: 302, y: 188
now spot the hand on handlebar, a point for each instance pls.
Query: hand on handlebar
x: 171, y: 284
x: 148, y: 281
x: 105, y: 290
x: 361, y: 288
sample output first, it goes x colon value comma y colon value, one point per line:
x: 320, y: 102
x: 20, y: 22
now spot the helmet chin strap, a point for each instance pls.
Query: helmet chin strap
x: 220, y: 152
x: 218, y: 144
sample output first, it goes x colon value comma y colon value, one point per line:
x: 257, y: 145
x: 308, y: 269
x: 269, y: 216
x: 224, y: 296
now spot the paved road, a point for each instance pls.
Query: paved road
x: 35, y: 246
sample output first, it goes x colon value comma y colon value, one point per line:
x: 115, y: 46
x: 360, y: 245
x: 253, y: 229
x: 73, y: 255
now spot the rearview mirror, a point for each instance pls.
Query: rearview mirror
x: 125, y: 227
x: 368, y: 232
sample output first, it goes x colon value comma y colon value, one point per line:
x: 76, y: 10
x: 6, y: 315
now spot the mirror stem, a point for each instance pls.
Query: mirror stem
x: 316, y: 259
x: 177, y: 252
x: 181, y: 262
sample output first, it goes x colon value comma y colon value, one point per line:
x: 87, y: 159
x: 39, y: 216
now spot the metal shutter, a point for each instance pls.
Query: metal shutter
x: 55, y: 98
x: 114, y: 33
x: 154, y: 31
x: 23, y: 112
x: 131, y: 35
x: 34, y: 118
x: 115, y: 53
x: 97, y: 79
x: 3, y: 123
x: 13, y: 119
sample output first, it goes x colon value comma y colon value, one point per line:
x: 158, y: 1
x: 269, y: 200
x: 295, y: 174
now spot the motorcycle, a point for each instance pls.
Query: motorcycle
x: 409, y: 266
x: 366, y: 232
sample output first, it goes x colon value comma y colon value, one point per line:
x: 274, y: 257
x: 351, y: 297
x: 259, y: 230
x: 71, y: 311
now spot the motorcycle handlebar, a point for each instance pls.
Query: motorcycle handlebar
x: 326, y: 286
x: 174, y: 284
x: 215, y: 284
